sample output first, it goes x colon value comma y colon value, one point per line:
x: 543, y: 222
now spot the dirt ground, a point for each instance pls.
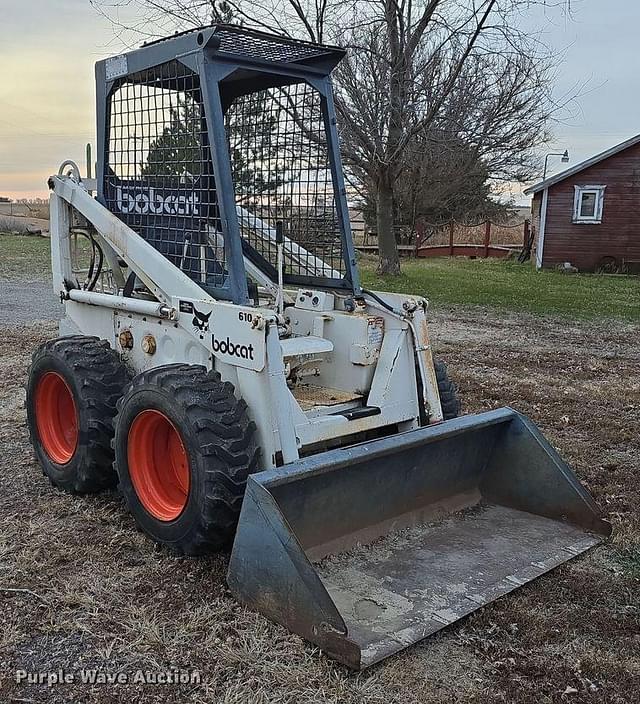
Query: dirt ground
x: 81, y: 588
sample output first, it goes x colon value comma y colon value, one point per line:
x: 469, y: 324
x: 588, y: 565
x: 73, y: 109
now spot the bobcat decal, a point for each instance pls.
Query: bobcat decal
x: 200, y: 320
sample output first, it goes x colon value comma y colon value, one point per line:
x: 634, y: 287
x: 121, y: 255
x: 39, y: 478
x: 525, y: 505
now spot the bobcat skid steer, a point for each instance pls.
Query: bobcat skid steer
x: 220, y: 362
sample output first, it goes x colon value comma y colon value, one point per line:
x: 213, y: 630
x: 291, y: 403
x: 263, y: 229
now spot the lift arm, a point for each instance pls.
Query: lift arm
x: 158, y: 274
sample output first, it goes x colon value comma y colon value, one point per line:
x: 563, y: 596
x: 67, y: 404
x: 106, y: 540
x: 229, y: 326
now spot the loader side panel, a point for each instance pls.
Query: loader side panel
x: 556, y: 492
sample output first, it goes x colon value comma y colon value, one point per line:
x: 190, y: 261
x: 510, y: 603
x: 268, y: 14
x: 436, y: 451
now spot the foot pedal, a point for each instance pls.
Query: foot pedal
x: 356, y: 413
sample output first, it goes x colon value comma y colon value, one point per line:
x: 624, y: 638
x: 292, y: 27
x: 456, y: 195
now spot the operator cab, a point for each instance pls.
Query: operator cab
x: 215, y: 142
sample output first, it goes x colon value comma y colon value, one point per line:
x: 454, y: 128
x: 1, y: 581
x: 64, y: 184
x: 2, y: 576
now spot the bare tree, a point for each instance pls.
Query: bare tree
x: 420, y: 73
x: 433, y: 77
x: 484, y: 131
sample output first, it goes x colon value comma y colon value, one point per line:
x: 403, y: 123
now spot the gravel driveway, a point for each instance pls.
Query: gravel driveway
x: 26, y: 303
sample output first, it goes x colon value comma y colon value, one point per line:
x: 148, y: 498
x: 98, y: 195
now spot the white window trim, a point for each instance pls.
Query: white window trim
x: 594, y: 219
x: 541, y: 228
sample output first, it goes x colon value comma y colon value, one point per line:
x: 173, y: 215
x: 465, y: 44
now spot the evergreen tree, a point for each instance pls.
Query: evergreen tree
x: 178, y: 150
x: 182, y: 148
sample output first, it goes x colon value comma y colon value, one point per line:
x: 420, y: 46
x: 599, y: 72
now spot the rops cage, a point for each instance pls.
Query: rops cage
x: 211, y: 141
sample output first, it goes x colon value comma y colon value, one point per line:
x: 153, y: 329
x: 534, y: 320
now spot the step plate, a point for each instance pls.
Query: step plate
x: 310, y: 396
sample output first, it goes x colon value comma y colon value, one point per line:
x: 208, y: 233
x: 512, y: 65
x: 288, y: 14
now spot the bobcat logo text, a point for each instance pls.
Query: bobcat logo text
x: 231, y: 348
x: 151, y: 201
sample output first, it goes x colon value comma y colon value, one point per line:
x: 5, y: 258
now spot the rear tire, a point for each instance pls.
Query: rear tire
x: 72, y: 388
x: 184, y: 447
x: 449, y: 399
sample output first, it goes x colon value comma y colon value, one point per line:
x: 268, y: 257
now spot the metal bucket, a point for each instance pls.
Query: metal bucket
x: 369, y: 549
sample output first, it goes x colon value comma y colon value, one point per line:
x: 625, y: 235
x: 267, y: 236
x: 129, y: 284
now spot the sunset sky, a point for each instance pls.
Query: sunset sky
x: 48, y: 48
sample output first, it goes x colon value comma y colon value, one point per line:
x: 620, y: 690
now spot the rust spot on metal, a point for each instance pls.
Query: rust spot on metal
x: 125, y: 338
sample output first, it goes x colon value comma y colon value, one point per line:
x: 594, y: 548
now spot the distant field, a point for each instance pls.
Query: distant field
x: 31, y: 209
x: 511, y: 286
x: 474, y: 234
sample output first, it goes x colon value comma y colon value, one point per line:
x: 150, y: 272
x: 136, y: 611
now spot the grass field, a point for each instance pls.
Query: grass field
x: 81, y: 588
x: 26, y: 257
x: 511, y: 286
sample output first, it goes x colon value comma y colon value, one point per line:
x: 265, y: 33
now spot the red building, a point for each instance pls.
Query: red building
x: 589, y: 215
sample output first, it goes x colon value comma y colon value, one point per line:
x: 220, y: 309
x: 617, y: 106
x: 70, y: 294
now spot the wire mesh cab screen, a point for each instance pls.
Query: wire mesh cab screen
x: 258, y: 45
x: 158, y: 172
x: 281, y: 173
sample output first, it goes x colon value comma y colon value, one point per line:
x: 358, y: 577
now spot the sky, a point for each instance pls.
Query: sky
x: 47, y: 97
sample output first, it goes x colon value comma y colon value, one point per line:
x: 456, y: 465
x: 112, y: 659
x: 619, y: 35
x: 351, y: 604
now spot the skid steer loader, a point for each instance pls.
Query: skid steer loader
x: 219, y: 360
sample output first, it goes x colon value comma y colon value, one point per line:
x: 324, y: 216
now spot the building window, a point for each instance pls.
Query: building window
x: 587, y: 204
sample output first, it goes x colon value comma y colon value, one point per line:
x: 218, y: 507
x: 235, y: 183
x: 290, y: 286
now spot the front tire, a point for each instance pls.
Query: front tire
x: 72, y: 388
x: 184, y: 447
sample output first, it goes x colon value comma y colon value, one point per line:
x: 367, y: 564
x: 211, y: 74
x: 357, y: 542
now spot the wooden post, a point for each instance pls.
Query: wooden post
x: 487, y: 238
x: 527, y: 234
x: 451, y: 229
x: 419, y: 236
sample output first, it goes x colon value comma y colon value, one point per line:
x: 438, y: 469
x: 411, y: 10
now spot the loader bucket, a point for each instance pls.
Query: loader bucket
x: 369, y: 549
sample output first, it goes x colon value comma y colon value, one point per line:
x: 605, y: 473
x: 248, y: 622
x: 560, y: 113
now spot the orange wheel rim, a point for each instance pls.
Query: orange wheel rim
x: 56, y: 417
x: 158, y: 465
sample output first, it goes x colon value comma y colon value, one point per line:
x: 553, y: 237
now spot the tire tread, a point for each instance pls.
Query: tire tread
x: 225, y: 439
x: 449, y: 399
x: 101, y: 376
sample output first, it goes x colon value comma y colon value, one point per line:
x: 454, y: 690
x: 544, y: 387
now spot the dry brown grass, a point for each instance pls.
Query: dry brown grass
x: 103, y: 596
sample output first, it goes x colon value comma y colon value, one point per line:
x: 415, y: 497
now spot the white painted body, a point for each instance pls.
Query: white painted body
x: 299, y: 372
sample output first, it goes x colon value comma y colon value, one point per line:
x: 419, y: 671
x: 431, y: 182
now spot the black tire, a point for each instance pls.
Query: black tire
x: 220, y: 449
x: 88, y: 371
x: 449, y: 399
